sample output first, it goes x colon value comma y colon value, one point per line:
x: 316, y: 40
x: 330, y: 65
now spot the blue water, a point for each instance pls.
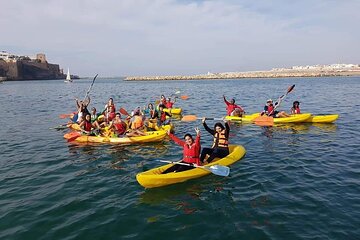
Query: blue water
x: 295, y: 182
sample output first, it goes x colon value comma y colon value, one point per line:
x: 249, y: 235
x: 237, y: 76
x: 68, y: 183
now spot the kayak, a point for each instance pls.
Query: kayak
x: 176, y: 111
x: 153, y: 125
x: 322, y: 118
x: 153, y: 136
x: 153, y: 177
x: 292, y: 119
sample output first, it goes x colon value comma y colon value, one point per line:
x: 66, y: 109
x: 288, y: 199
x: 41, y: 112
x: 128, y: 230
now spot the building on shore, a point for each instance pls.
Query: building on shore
x: 13, y: 67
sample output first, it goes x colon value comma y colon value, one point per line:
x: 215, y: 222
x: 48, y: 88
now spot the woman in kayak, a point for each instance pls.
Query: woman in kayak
x: 162, y: 116
x: 190, y: 153
x: 233, y: 109
x: 151, y: 116
x: 88, y: 127
x: 270, y: 111
x: 220, y: 147
x: 295, y: 108
x: 169, y: 103
x: 81, y: 110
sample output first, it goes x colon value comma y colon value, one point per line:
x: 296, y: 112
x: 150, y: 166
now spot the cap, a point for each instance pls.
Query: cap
x: 269, y: 100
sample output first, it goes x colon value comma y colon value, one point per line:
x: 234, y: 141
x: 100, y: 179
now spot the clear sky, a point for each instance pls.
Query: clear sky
x: 157, y: 37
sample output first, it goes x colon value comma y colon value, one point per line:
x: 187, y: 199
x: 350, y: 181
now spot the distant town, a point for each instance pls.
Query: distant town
x: 14, y: 67
x: 295, y: 71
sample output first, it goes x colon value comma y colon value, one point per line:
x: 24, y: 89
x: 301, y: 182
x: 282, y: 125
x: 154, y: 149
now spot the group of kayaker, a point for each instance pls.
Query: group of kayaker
x: 109, y: 122
x: 269, y: 109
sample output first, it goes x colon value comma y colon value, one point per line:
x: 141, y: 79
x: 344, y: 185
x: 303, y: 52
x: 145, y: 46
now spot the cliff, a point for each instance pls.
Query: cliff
x: 30, y: 70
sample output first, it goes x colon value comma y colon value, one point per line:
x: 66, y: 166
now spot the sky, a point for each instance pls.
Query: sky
x: 173, y: 37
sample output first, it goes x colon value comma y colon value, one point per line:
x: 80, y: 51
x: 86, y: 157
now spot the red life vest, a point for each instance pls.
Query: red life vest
x: 296, y: 110
x: 270, y: 109
x: 162, y: 117
x: 87, y: 126
x: 169, y: 104
x: 191, y: 155
x: 120, y: 128
x: 111, y: 116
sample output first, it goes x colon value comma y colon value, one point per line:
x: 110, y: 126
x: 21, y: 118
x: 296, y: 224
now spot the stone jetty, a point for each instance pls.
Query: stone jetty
x: 296, y: 71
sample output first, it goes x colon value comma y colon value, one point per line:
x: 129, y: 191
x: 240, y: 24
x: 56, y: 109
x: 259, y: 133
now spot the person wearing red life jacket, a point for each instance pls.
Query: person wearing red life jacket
x: 233, y: 109
x: 191, y: 151
x: 295, y: 108
x: 169, y: 103
x: 110, y: 114
x: 162, y: 116
x: 220, y: 147
x: 88, y: 127
x: 270, y: 110
x: 118, y: 125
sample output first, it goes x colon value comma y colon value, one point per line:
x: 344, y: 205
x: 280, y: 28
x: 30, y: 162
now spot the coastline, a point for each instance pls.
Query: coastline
x: 253, y: 74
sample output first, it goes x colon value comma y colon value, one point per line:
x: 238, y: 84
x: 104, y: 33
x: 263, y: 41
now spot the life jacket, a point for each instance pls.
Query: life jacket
x: 270, y: 110
x: 296, y: 110
x: 191, y: 155
x: 162, y: 117
x: 220, y: 140
x: 137, y: 122
x: 169, y: 104
x: 111, y: 116
x: 87, y: 126
x: 120, y: 128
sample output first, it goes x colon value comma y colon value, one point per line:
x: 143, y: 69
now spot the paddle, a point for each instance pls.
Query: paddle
x: 88, y: 91
x: 65, y: 115
x: 191, y: 118
x: 215, y: 169
x: 267, y: 120
x: 123, y: 111
x: 184, y: 97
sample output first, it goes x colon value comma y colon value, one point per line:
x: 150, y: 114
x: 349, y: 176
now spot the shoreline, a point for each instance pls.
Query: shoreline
x: 254, y: 74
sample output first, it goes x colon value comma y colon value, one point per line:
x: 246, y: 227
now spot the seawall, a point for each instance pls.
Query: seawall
x: 255, y: 74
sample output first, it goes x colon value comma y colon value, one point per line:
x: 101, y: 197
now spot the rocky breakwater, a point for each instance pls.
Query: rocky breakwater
x: 307, y: 71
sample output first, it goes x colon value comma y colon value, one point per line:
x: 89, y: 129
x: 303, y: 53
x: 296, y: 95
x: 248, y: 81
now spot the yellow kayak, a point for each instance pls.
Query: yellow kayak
x: 153, y: 136
x: 153, y: 177
x: 322, y: 118
x: 175, y: 111
x: 292, y: 119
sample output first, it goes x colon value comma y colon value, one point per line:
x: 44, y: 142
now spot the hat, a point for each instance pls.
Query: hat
x: 269, y: 100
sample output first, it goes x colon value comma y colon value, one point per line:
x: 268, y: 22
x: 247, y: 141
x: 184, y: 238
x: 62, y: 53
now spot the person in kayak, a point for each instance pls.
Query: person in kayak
x: 94, y: 115
x: 88, y: 127
x: 151, y: 116
x: 162, y: 100
x: 233, y: 109
x: 269, y: 110
x: 162, y: 116
x: 295, y: 108
x: 191, y: 151
x: 169, y: 103
x: 81, y: 110
x: 136, y: 124
x: 118, y: 126
x: 220, y: 147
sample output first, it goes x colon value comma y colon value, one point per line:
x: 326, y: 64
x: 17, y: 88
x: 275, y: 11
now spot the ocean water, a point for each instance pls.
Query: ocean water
x: 295, y: 182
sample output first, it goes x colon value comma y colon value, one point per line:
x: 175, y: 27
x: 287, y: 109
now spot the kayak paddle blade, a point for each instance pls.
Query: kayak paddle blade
x: 219, y: 170
x: 264, y: 121
x: 123, y: 111
x: 185, y: 97
x: 189, y: 118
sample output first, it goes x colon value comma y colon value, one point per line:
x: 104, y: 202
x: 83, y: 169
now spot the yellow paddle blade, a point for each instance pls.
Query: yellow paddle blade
x: 264, y: 121
x: 189, y: 118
